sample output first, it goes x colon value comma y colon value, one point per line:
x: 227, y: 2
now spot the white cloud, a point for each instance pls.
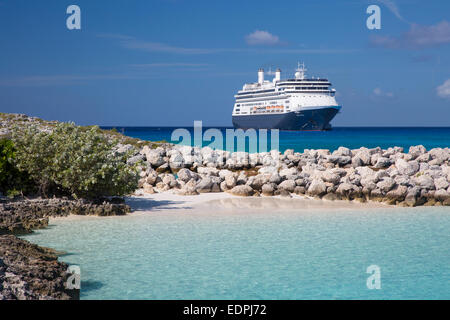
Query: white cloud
x: 380, y: 93
x: 392, y: 6
x: 133, y: 43
x: 443, y: 90
x: 417, y: 37
x: 260, y: 37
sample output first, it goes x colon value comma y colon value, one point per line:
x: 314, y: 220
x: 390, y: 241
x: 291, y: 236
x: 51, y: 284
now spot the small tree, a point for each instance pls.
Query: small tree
x: 77, y: 160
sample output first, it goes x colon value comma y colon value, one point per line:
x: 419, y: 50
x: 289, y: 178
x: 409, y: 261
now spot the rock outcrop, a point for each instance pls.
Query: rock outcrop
x: 30, y: 272
x: 23, y: 216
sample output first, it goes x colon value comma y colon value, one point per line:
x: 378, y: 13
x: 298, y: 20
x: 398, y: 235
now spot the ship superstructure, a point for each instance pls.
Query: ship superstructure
x: 292, y: 104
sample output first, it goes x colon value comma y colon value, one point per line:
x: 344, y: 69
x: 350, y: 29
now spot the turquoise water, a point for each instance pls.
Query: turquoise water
x: 352, y: 138
x: 232, y: 254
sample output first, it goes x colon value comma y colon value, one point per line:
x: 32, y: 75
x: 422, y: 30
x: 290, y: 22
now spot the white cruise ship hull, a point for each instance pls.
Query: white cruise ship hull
x: 311, y: 119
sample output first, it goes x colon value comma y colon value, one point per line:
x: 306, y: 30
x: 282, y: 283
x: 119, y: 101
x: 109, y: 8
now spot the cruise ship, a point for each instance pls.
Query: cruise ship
x: 290, y: 104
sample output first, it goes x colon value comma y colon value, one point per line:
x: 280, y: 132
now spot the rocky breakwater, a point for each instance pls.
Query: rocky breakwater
x: 29, y: 272
x: 22, y: 216
x: 418, y: 177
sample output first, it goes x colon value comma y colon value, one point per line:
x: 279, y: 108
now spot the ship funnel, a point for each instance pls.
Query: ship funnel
x: 260, y: 76
x: 277, y: 75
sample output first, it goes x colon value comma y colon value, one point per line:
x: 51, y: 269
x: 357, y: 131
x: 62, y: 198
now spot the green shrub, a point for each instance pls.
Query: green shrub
x: 76, y: 160
x: 12, y: 180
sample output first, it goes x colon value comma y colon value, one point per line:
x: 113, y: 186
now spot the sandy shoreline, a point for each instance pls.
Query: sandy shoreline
x: 170, y: 202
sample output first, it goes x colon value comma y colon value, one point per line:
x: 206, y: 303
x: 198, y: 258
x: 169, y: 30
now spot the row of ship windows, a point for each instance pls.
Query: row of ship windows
x: 277, y: 110
x: 261, y: 96
x: 261, y: 111
x: 258, y: 103
x: 308, y: 88
x: 323, y: 93
x: 268, y: 111
x: 281, y: 89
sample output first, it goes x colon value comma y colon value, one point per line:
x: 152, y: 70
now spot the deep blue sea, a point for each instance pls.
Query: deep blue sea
x: 350, y: 137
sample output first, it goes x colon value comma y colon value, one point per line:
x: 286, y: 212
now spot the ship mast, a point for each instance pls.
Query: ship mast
x: 300, y: 71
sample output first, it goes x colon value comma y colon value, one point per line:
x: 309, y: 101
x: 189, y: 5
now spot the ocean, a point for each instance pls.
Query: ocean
x: 349, y: 137
x: 276, y: 254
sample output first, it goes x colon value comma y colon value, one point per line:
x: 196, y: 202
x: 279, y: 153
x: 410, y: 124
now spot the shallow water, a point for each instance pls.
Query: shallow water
x: 276, y: 253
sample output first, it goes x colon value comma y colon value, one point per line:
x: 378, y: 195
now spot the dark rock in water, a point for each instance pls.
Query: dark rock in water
x: 30, y: 272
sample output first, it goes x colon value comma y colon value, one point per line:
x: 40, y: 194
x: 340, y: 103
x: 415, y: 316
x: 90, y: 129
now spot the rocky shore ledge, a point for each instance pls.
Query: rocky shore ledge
x: 29, y: 272
x: 23, y: 216
x: 418, y: 177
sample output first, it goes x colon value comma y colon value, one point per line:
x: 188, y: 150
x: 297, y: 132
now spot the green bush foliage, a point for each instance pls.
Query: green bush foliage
x: 12, y: 180
x: 76, y: 160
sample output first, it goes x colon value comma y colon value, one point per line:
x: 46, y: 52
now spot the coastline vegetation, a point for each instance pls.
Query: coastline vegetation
x: 67, y: 160
x: 12, y: 181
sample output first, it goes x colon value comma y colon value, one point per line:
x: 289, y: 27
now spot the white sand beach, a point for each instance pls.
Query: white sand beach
x: 169, y: 201
x: 224, y: 203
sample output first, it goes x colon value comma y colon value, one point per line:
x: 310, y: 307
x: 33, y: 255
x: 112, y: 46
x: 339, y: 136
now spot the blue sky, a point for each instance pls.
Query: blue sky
x: 170, y: 62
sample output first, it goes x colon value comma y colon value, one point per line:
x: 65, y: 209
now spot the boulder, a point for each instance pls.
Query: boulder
x: 328, y: 176
x: 185, y: 175
x: 397, y: 194
x: 426, y: 157
x: 208, y: 171
x: 242, y: 190
x: 259, y: 180
x: 342, y: 151
x: 301, y: 182
x: 411, y: 196
x: 267, y: 189
x: 348, y: 191
x: 339, y: 160
x: 288, y: 172
x: 169, y: 180
x: 155, y: 156
x: 176, y: 161
x: 425, y: 181
x: 190, y: 188
x: 442, y: 195
x: 287, y: 185
x: 300, y: 190
x: 407, y: 168
x: 135, y: 159
x: 441, y: 183
x: 382, y: 162
x: 416, y: 151
x: 440, y: 154
x: 386, y: 184
x: 230, y: 181
x: 204, y: 185
x: 152, y: 176
x: 163, y: 168
x: 275, y: 178
x: 402, y: 180
x: 317, y: 188
x: 148, y: 188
